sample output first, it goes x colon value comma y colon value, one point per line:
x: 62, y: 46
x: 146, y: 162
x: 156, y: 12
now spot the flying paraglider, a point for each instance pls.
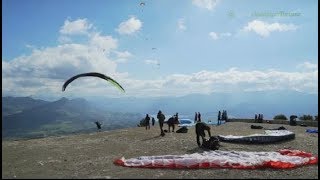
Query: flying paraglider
x: 142, y: 4
x: 94, y: 74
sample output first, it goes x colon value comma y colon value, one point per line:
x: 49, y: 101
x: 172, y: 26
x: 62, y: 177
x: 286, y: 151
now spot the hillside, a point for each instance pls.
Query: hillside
x: 238, y: 104
x: 13, y: 105
x: 63, y: 116
x: 91, y: 155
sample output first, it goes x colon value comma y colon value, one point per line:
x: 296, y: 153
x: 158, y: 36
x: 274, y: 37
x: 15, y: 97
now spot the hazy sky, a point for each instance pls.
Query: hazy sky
x: 155, y: 48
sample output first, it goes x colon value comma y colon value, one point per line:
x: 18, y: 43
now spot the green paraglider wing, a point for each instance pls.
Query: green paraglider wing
x: 95, y: 74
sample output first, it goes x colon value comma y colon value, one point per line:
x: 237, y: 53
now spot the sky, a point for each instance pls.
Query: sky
x: 158, y: 48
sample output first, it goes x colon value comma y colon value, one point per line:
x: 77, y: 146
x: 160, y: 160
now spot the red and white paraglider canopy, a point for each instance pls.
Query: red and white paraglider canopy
x: 282, y: 159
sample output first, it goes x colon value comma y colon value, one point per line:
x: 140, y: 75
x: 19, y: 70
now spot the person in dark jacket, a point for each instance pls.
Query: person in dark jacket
x: 153, y: 121
x: 219, y: 117
x: 171, y: 123
x: 200, y: 128
x: 161, y: 117
x: 196, y: 117
x: 176, y: 118
x: 147, y: 119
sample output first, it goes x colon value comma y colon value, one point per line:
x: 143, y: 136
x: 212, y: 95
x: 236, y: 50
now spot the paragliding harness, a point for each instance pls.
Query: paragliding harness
x: 182, y: 130
x: 256, y: 127
x: 212, y: 143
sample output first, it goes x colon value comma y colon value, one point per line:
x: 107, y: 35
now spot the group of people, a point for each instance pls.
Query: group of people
x: 147, y: 121
x: 161, y: 118
x: 197, y: 117
x: 258, y: 118
x: 172, y: 121
x: 200, y: 127
x: 222, y: 116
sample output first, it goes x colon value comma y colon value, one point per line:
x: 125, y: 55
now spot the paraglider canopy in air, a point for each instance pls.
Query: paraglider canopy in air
x: 142, y: 4
x: 94, y: 74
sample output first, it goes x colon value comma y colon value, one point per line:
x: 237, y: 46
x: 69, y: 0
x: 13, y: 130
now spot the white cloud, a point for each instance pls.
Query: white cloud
x: 64, y: 39
x: 208, y: 4
x: 79, y: 26
x: 213, y: 35
x: 30, y: 46
x: 216, y: 36
x: 181, y: 25
x: 171, y: 85
x: 231, y: 80
x: 150, y: 61
x: 225, y: 34
x: 45, y: 69
x: 153, y: 63
x: 103, y: 43
x: 59, y: 62
x: 130, y: 26
x: 43, y: 72
x: 122, y: 57
x: 307, y: 66
x: 124, y: 54
x: 264, y: 29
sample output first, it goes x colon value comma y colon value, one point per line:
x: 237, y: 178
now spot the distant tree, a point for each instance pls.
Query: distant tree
x: 280, y: 117
x: 316, y: 118
x: 293, y: 117
x: 306, y: 117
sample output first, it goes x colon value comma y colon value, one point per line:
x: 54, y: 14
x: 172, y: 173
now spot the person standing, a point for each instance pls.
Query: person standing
x: 195, y: 117
x: 219, y: 117
x: 153, y: 121
x: 199, y: 117
x: 176, y: 118
x: 147, y: 120
x: 161, y: 117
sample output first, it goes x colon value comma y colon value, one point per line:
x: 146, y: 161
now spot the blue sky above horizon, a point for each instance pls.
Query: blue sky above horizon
x: 156, y: 48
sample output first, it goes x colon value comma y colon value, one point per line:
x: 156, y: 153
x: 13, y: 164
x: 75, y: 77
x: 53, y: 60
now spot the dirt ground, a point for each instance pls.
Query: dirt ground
x: 92, y: 155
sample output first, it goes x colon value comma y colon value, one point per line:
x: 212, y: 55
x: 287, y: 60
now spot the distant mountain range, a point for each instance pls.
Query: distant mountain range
x: 239, y: 105
x: 25, y: 115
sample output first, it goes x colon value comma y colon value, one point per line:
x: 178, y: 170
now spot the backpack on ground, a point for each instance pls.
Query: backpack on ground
x: 182, y: 130
x: 212, y: 143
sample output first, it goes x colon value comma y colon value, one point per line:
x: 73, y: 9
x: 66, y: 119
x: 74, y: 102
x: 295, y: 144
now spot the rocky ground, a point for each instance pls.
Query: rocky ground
x: 92, y: 155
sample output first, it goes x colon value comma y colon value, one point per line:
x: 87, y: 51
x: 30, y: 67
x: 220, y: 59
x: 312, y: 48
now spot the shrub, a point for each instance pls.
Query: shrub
x: 293, y: 117
x: 280, y: 117
x: 306, y: 117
